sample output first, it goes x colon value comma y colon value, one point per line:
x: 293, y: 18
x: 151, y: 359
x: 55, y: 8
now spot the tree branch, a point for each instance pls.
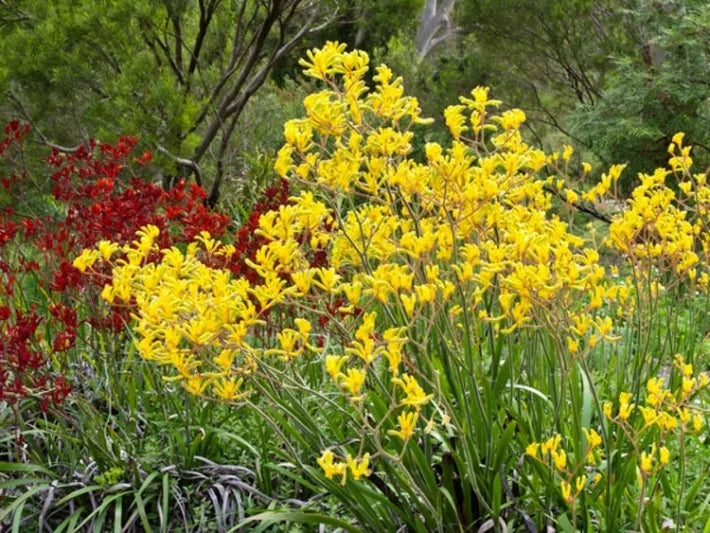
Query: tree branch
x: 166, y: 52
x: 206, y: 14
x: 234, y: 63
x: 178, y: 44
x: 579, y: 207
x: 236, y: 98
x: 186, y: 163
x: 26, y: 116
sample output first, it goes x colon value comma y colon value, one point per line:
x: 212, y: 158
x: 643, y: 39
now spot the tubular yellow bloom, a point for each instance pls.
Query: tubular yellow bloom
x: 663, y: 455
x: 288, y: 339
x: 511, y: 119
x: 359, y: 468
x: 86, y: 260
x: 364, y: 350
x: 455, y: 120
x: 353, y: 381
x: 415, y: 396
x: 566, y: 490
x: 655, y: 390
x: 333, y: 364
x: 647, y: 462
x: 304, y: 328
x: 667, y: 421
x: 567, y: 153
x: 298, y: 133
x: 407, y: 423
x: 352, y: 291
x: 426, y: 293
x: 107, y: 249
x: 332, y: 469
x: 625, y: 410
x: 108, y: 293
x: 580, y: 482
x: 551, y: 444
x: 532, y: 449
x: 367, y: 327
x: 303, y: 280
x: 593, y: 438
x: 697, y: 422
x: 225, y: 359
x: 683, y: 414
x: 649, y: 415
x: 327, y: 279
x: 393, y: 353
x: 687, y: 386
x: 322, y: 63
x: 228, y: 389
x: 433, y: 151
x: 408, y: 301
x: 195, y: 385
x: 560, y: 459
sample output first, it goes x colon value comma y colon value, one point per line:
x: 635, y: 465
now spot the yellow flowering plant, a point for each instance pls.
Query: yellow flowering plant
x: 459, y: 313
x: 643, y: 440
x: 660, y: 427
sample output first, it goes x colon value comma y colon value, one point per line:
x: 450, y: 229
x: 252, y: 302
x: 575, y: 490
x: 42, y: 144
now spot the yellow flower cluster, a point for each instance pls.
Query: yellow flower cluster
x: 194, y: 318
x: 467, y: 234
x: 357, y: 468
x: 667, y: 229
x: 665, y: 409
x: 555, y: 458
x: 670, y: 413
x: 481, y: 214
x: 462, y: 230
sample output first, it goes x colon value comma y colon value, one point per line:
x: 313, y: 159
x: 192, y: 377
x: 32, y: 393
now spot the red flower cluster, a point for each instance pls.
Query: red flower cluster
x: 22, y: 362
x: 100, y: 198
x: 102, y: 204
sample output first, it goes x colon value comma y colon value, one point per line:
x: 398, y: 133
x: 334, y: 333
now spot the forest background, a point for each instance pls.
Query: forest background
x: 208, y: 84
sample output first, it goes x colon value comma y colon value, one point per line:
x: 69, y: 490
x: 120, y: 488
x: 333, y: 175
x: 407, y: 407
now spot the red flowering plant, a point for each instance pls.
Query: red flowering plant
x: 96, y: 195
x: 44, y: 300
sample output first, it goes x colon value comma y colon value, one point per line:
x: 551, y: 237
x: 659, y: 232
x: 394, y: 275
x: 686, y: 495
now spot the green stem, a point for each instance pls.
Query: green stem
x: 679, y: 504
x: 642, y: 497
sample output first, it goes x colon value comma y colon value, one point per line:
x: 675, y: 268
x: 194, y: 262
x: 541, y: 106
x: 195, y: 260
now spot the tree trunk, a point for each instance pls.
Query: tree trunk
x: 436, y: 25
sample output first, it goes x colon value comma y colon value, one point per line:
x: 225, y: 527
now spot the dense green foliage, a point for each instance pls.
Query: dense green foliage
x: 616, y: 79
x: 656, y: 87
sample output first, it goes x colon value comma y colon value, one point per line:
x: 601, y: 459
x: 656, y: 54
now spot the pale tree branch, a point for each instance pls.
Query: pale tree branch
x: 182, y: 162
x: 436, y: 25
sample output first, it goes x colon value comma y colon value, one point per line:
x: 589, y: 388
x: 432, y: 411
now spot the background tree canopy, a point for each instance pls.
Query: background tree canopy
x: 177, y: 73
x: 615, y: 78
